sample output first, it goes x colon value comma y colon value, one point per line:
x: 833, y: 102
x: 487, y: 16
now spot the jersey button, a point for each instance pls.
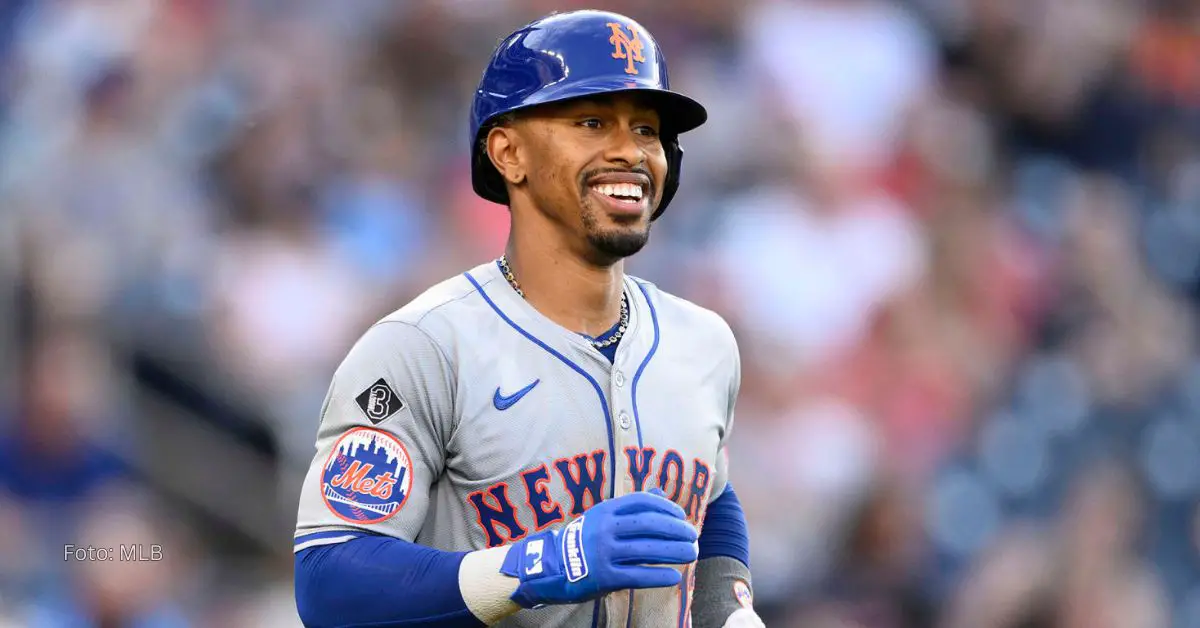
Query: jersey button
x: 624, y: 418
x: 619, y: 379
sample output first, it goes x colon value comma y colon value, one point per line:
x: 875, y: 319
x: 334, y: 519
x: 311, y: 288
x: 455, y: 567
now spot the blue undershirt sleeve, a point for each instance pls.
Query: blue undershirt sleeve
x: 725, y: 532
x: 379, y: 582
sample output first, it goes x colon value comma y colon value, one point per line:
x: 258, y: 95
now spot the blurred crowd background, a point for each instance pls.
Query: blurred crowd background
x: 959, y: 241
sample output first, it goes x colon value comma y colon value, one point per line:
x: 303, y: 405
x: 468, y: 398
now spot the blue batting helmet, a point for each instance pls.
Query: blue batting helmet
x: 573, y: 55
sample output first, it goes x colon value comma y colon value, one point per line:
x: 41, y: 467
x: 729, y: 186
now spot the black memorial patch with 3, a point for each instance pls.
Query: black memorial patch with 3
x: 379, y: 401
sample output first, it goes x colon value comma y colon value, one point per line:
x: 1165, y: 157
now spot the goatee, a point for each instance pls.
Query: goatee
x: 620, y: 244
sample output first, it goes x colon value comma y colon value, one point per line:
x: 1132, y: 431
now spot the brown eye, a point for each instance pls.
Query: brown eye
x: 647, y: 130
x: 591, y: 123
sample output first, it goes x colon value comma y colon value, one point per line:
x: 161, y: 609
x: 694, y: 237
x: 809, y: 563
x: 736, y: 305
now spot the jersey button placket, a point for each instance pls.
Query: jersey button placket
x: 625, y: 436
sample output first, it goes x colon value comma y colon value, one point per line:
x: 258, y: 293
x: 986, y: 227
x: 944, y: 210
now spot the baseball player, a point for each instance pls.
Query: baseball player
x: 540, y: 441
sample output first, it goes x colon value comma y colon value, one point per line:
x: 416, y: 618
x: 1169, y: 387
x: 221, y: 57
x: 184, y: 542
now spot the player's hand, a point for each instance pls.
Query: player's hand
x: 609, y: 548
x: 743, y: 618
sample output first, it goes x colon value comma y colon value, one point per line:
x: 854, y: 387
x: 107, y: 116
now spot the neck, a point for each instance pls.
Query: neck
x: 574, y: 293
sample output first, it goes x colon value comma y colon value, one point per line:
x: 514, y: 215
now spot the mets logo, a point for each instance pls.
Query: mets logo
x: 628, y: 47
x: 367, y: 477
x: 741, y: 592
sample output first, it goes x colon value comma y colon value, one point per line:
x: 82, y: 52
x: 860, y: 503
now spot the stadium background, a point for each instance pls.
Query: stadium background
x: 959, y: 241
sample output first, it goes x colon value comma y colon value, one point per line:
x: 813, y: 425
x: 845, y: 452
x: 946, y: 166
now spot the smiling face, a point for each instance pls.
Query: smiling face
x: 594, y: 168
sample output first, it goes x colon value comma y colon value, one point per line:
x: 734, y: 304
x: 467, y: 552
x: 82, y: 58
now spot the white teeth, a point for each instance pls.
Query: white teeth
x: 626, y: 190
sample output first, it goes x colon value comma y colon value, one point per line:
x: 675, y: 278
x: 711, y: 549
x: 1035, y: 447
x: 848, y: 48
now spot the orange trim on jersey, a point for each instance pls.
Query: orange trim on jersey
x: 538, y: 487
x: 683, y: 597
x: 662, y: 475
x: 499, y: 493
x: 635, y: 455
x: 581, y: 464
x: 697, y: 492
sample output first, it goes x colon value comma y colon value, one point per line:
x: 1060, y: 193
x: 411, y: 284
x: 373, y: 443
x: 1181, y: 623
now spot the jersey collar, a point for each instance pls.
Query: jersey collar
x: 634, y: 343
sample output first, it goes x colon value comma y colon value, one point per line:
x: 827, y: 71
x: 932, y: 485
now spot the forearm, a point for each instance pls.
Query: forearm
x: 383, y: 582
x: 629, y: 542
x: 717, y: 585
x: 722, y: 574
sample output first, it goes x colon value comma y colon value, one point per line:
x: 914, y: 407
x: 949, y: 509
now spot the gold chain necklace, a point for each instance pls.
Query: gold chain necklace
x: 607, y: 342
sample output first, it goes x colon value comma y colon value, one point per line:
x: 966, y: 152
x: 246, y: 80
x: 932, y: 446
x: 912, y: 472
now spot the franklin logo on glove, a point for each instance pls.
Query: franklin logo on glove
x: 573, y: 549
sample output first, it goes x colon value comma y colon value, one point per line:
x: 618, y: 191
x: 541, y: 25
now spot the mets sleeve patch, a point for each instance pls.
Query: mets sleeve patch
x: 367, y: 477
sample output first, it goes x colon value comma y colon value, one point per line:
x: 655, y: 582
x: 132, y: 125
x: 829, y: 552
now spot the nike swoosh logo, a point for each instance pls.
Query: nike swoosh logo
x: 503, y: 402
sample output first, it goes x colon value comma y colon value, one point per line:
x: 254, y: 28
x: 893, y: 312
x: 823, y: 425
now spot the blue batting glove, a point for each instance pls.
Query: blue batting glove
x: 611, y: 547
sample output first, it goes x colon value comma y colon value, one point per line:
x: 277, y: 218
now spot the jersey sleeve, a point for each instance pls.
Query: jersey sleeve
x: 381, y: 442
x: 721, y: 476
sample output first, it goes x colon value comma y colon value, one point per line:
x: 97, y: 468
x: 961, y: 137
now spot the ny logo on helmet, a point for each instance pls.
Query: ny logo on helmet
x: 628, y: 47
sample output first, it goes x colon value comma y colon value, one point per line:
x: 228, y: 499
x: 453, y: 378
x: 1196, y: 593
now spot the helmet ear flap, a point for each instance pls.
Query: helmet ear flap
x: 485, y: 179
x: 671, y: 185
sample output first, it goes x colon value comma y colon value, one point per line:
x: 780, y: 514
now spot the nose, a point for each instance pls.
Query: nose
x: 624, y: 148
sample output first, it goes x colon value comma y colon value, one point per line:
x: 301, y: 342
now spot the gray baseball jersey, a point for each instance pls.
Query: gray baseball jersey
x: 467, y: 420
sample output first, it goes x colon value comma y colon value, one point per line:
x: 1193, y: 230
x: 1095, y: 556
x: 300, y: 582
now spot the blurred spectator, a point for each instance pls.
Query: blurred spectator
x: 804, y: 265
x: 1167, y: 53
x: 140, y: 587
x: 286, y: 306
x: 57, y: 459
x: 875, y: 584
x: 1086, y: 573
x: 845, y: 71
x: 1125, y: 330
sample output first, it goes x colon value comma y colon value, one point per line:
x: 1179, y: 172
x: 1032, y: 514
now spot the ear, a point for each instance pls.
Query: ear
x: 504, y: 149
